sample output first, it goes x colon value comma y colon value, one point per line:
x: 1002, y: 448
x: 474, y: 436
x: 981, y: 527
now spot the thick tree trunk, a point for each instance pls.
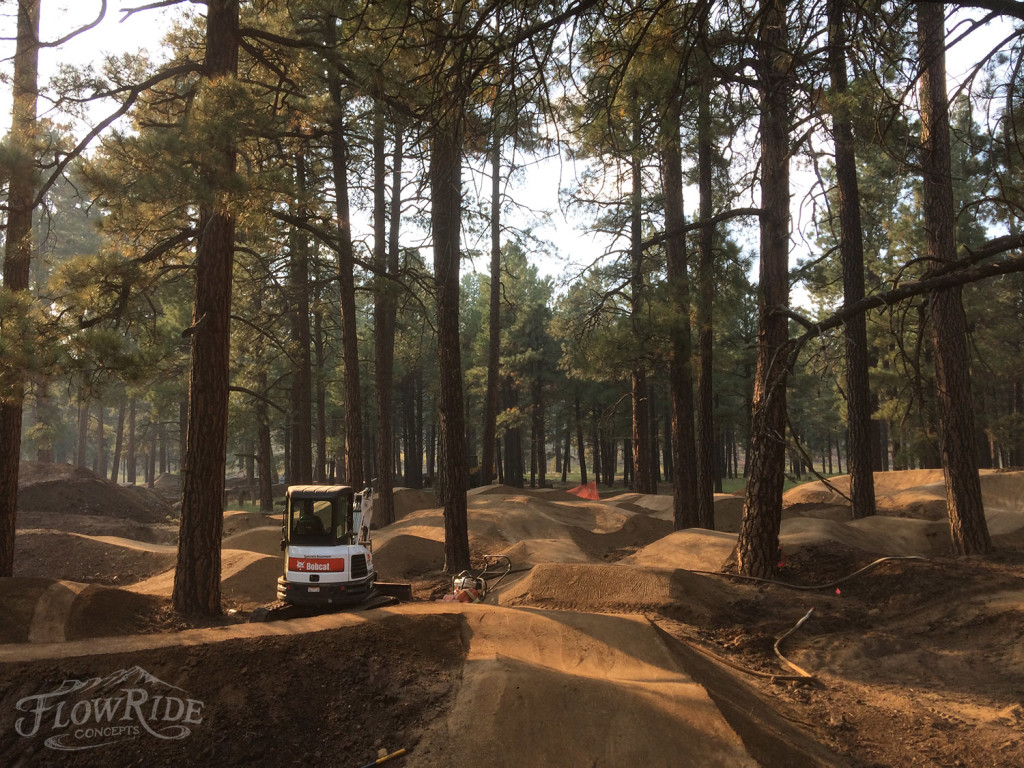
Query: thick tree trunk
x: 118, y: 441
x: 100, y: 462
x: 197, y: 576
x: 320, y: 396
x: 446, y: 222
x: 949, y: 326
x: 684, y: 454
x: 347, y: 289
x: 580, y: 446
x: 384, y: 313
x: 494, y: 321
x: 132, y: 449
x: 762, y: 510
x: 301, y: 470
x: 17, y: 262
x: 643, y: 481
x: 707, y: 476
x: 851, y: 250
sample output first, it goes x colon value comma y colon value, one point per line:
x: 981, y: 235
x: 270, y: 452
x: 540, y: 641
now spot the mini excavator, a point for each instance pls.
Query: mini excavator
x: 328, y: 555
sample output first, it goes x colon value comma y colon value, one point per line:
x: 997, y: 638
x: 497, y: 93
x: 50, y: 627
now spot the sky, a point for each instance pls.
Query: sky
x: 120, y: 32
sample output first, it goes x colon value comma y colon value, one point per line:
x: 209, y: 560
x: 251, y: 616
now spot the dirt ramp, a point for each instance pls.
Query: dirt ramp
x: 265, y: 540
x: 563, y: 689
x: 59, y: 489
x: 604, y: 588
x: 252, y: 581
x: 548, y: 494
x: 408, y: 500
x: 728, y: 512
x: 525, y: 554
x: 101, y: 559
x: 694, y: 549
x: 652, y: 504
x: 105, y: 612
x: 881, y: 535
x: 403, y: 556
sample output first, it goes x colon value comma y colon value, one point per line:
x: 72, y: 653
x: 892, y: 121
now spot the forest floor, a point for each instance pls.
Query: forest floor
x: 614, y: 642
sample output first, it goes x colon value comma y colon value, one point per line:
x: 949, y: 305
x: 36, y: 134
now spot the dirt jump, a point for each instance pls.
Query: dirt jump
x: 614, y: 641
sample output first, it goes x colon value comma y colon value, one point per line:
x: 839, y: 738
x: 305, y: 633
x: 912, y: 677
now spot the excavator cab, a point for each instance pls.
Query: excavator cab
x: 325, y: 521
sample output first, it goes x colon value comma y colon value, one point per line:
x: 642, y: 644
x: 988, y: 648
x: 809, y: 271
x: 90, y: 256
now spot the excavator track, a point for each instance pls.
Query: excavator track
x: 282, y: 611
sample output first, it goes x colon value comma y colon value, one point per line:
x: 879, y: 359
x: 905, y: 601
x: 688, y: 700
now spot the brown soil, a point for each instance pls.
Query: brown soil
x: 913, y: 661
x: 337, y: 698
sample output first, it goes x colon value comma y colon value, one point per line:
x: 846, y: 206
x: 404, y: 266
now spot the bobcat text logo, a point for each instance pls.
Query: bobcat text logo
x: 84, y: 714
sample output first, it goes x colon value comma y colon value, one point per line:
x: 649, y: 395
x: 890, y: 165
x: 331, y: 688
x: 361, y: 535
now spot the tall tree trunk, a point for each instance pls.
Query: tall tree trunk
x: 684, y: 454
x: 643, y: 481
x: 81, y: 445
x: 347, y: 286
x: 17, y: 262
x: 494, y: 319
x: 705, y: 422
x: 118, y: 441
x: 100, y: 462
x: 446, y: 221
x: 320, y: 395
x: 197, y: 576
x: 539, y: 440
x: 967, y: 523
x: 762, y: 509
x: 851, y: 250
x: 384, y: 311
x: 301, y: 470
x: 132, y: 450
x: 581, y: 448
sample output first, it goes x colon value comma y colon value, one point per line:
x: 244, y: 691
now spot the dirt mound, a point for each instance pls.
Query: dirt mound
x: 100, y: 560
x: 356, y: 690
x: 693, y: 549
x: 656, y: 505
x: 56, y: 490
x: 265, y: 540
x: 19, y: 596
x: 728, y: 512
x: 600, y: 588
x: 251, y: 580
x: 403, y: 556
x: 875, y: 535
x: 408, y: 500
x: 104, y: 612
x: 548, y: 494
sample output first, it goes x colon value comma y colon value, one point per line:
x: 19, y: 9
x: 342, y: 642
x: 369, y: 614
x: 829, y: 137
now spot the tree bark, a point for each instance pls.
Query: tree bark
x: 320, y: 396
x: 762, y: 510
x: 851, y: 251
x: 197, y: 576
x: 384, y: 313
x: 705, y: 422
x: 446, y: 220
x: 132, y: 451
x: 967, y: 523
x: 581, y: 448
x: 17, y: 262
x: 684, y: 454
x: 118, y: 441
x: 494, y: 320
x: 301, y: 470
x: 643, y: 481
x: 346, y: 283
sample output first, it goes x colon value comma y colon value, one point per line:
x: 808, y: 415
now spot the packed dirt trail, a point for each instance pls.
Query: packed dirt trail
x: 614, y: 641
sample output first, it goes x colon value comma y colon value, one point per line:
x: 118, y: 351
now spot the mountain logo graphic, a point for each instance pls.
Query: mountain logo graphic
x: 126, y: 704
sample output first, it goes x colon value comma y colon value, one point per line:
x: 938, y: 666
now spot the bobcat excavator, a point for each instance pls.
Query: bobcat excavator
x: 328, y: 555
